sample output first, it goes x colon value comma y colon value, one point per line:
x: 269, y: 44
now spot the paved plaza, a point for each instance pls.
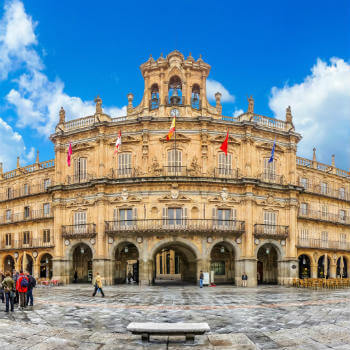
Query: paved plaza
x: 270, y: 317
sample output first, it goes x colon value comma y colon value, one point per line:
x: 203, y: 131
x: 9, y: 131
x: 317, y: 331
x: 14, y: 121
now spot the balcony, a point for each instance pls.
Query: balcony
x: 79, y: 231
x: 23, y: 192
x: 226, y: 173
x: 323, y: 216
x: 272, y: 178
x: 124, y: 173
x: 32, y: 215
x: 166, y: 226
x: 328, y: 191
x: 317, y: 243
x: 33, y: 243
x: 80, y: 178
x: 271, y: 231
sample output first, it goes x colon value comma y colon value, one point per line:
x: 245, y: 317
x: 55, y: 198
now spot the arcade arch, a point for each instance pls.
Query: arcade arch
x: 82, y: 269
x: 267, y: 264
x: 126, y: 263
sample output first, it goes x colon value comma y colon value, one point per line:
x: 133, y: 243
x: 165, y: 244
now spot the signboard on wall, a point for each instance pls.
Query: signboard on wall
x: 206, y: 279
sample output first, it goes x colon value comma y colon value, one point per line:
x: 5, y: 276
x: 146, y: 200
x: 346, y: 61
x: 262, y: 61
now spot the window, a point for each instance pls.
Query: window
x: 25, y: 189
x: 26, y: 237
x: 342, y: 193
x: 304, y: 234
x: 8, y: 215
x: 46, y: 236
x: 304, y: 182
x: 46, y: 209
x: 174, y: 216
x: 270, y: 219
x: 125, y: 217
x: 224, y: 217
x: 80, y: 222
x: 269, y: 169
x: 225, y: 164
x: 342, y: 215
x: 303, y: 208
x: 8, y: 239
x: 343, y: 238
x: 26, y: 212
x: 324, y: 236
x: 124, y: 164
x: 47, y: 184
x: 80, y: 169
x: 154, y: 97
x: 9, y: 193
x: 195, y: 100
x: 218, y: 267
x: 324, y: 212
x: 324, y: 188
x: 174, y: 161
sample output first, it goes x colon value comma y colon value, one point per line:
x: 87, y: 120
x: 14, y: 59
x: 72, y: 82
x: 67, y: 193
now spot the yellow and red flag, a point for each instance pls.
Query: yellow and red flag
x: 171, y: 130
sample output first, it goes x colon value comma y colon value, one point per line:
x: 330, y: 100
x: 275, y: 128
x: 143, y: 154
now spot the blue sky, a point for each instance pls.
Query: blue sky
x: 55, y: 53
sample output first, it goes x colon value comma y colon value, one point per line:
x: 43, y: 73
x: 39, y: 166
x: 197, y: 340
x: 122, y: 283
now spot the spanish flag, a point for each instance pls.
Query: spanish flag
x: 171, y: 130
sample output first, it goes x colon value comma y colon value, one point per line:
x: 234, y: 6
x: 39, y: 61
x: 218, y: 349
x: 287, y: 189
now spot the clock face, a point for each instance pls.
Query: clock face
x: 174, y: 112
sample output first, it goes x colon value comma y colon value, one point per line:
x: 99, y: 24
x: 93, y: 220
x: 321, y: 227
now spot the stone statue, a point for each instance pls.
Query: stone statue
x: 250, y: 104
x: 98, y: 102
x: 195, y: 169
x: 62, y: 115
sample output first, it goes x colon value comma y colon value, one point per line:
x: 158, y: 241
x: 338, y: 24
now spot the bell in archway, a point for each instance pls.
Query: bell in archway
x: 195, y: 97
x: 175, y: 98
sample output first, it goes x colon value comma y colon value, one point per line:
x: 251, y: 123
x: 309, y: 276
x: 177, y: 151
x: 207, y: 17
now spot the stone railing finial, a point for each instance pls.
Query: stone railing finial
x: 62, y: 115
x: 250, y: 104
x: 289, y: 117
x: 18, y: 165
x: 218, y: 103
x: 37, y: 157
x: 98, y: 102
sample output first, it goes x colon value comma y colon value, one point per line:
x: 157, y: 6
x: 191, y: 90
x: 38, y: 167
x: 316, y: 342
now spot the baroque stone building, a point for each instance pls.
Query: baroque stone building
x: 164, y: 209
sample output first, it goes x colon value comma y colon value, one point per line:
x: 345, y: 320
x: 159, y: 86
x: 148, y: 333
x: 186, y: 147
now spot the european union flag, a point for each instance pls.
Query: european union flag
x: 272, y: 151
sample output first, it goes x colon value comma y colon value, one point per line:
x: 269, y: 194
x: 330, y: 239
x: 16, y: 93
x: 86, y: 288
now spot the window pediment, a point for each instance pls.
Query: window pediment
x: 220, y: 139
x: 179, y: 138
x: 268, y: 147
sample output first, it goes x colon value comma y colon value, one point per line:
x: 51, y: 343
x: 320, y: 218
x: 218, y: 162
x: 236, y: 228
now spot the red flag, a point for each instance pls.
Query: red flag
x: 69, y: 153
x: 223, y: 146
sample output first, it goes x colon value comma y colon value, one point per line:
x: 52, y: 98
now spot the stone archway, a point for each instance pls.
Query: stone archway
x: 82, y: 271
x: 26, y: 263
x: 174, y: 262
x: 222, y: 263
x: 45, y: 266
x: 342, y: 268
x: 304, y: 266
x: 126, y: 263
x: 9, y: 264
x: 267, y: 264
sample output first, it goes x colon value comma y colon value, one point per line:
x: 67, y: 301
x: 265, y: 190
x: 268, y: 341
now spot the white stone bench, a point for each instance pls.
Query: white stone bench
x: 189, y: 330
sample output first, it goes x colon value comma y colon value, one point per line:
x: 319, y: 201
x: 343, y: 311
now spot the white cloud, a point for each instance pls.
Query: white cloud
x: 213, y: 87
x: 11, y: 146
x: 237, y: 112
x: 321, y: 110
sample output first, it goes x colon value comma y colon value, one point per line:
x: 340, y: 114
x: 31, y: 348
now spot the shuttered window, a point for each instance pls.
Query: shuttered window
x: 25, y: 189
x: 174, y: 161
x: 270, y: 220
x: 80, y: 222
x: 47, y: 183
x: 324, y: 188
x: 175, y: 216
x: 303, y: 208
x: 80, y: 169
x: 342, y: 193
x: 304, y: 234
x: 304, y: 182
x: 8, y: 239
x: 46, y: 236
x: 225, y: 164
x: 46, y: 208
x: 8, y: 215
x: 26, y: 237
x: 124, y: 164
x: 269, y: 169
x: 342, y: 215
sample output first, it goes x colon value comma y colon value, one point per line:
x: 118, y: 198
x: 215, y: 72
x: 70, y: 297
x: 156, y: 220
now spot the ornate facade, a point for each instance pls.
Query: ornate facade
x: 163, y: 209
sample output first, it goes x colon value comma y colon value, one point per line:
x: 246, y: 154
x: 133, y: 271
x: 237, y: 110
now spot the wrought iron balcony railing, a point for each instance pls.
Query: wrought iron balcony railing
x: 271, y: 231
x: 322, y: 244
x: 235, y: 227
x: 272, y: 178
x: 32, y: 243
x: 25, y: 191
x: 80, y: 178
x: 124, y: 173
x: 80, y: 230
x: 324, y: 216
x: 226, y: 173
x: 325, y: 191
x: 26, y: 216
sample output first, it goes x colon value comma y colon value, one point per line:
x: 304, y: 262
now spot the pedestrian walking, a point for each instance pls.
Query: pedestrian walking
x: 98, y: 285
x: 2, y: 294
x: 129, y: 277
x: 75, y: 276
x: 22, y: 288
x: 201, y: 278
x: 31, y: 286
x: 8, y: 285
x: 15, y: 276
x: 244, y: 279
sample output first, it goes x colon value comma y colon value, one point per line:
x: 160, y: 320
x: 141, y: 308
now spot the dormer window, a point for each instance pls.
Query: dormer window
x: 195, y: 97
x: 154, y: 104
x: 175, y: 91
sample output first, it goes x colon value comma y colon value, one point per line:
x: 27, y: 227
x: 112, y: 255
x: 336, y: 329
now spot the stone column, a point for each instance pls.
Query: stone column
x: 36, y: 268
x: 332, y: 270
x: 313, y: 269
x: 249, y: 266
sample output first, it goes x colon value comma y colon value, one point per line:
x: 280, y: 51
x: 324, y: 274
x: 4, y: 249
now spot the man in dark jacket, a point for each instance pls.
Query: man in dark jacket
x: 22, y: 288
x: 15, y: 276
x: 32, y: 284
x: 9, y: 286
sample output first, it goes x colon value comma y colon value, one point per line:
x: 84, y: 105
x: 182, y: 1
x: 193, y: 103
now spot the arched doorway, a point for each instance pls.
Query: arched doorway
x: 26, y: 263
x: 267, y: 265
x: 222, y: 263
x: 9, y: 264
x: 342, y: 267
x: 321, y: 267
x: 82, y: 263
x: 46, y: 266
x: 304, y: 266
x: 127, y: 263
x: 174, y: 263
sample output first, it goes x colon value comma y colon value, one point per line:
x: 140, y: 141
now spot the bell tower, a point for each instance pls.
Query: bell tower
x: 177, y: 83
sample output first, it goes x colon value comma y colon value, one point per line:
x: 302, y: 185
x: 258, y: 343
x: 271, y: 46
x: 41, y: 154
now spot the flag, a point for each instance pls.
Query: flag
x: 69, y: 153
x: 223, y: 146
x: 118, y: 142
x: 272, y: 152
x: 171, y: 130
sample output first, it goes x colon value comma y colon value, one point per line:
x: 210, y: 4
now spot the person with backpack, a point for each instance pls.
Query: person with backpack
x: 98, y: 285
x: 22, y: 288
x: 32, y: 284
x: 8, y: 285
